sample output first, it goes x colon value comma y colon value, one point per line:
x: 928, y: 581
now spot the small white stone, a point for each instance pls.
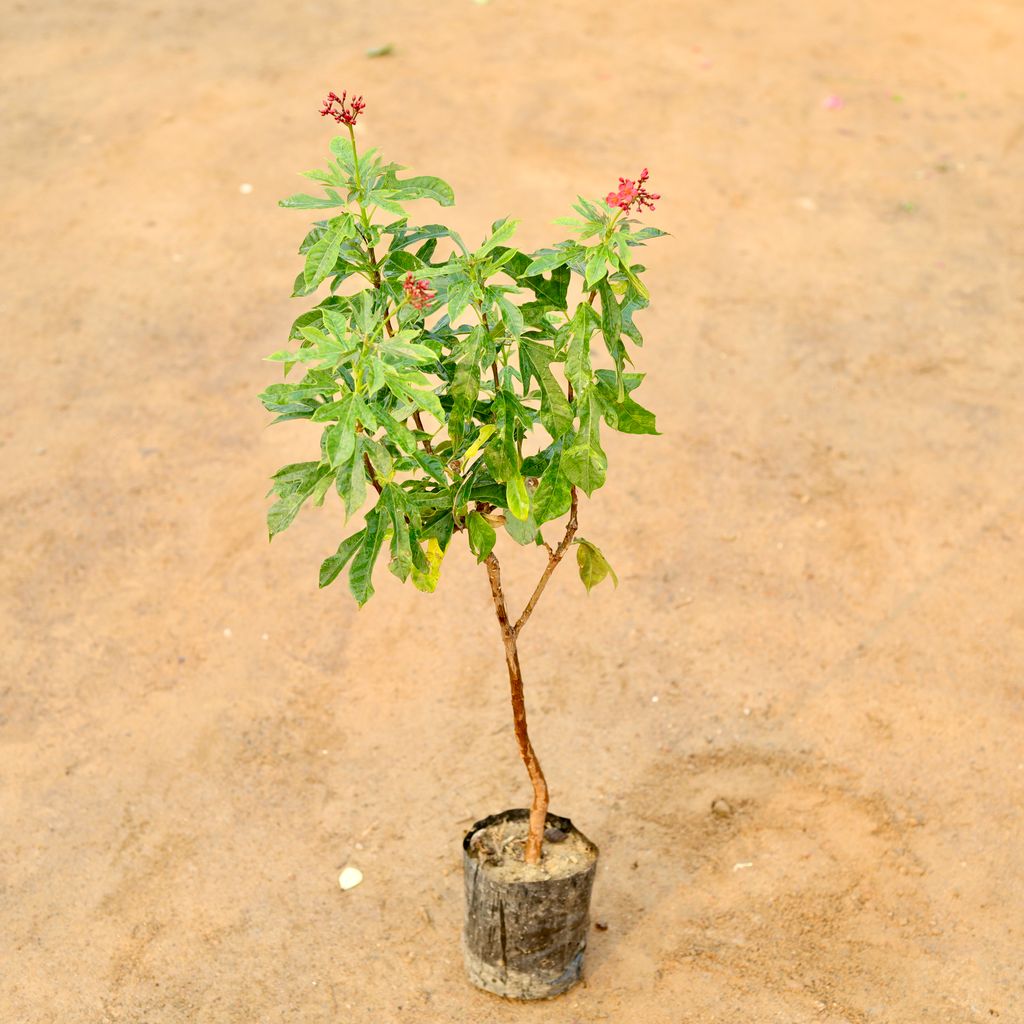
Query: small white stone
x: 349, y: 878
x: 654, y: 699
x: 227, y: 632
x: 264, y: 636
x: 245, y: 188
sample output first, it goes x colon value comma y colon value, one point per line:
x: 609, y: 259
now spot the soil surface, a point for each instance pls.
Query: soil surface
x: 501, y: 850
x: 819, y: 626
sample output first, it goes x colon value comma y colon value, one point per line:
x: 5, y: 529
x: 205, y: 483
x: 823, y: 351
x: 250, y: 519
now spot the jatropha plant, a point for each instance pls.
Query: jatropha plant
x: 462, y: 388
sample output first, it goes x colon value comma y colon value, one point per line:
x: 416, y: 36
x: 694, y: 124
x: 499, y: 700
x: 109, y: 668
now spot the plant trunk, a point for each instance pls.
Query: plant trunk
x: 539, y: 804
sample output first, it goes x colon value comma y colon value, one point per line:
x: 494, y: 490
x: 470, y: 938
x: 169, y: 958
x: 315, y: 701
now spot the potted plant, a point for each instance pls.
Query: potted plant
x: 459, y: 390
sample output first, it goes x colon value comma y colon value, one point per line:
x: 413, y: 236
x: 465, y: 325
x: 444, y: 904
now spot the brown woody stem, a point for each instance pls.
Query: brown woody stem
x: 510, y: 637
x: 539, y: 804
x: 418, y: 420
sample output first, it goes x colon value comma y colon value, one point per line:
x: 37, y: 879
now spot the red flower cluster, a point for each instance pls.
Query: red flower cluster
x: 344, y: 113
x: 631, y: 192
x: 417, y: 292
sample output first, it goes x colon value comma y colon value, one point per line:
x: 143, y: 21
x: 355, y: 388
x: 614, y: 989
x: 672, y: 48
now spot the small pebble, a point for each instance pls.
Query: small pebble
x: 349, y: 878
x: 245, y: 188
x: 227, y: 632
x: 554, y: 835
x: 601, y: 926
x: 721, y: 807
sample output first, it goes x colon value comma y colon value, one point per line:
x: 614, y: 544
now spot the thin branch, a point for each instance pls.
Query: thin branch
x: 494, y: 365
x: 378, y: 284
x: 418, y: 420
x: 553, y: 559
x: 370, y: 470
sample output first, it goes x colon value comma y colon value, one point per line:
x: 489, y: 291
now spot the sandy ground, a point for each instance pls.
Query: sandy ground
x: 820, y: 617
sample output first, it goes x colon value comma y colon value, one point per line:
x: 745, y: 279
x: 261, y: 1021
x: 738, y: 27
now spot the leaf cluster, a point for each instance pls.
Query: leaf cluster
x: 483, y: 411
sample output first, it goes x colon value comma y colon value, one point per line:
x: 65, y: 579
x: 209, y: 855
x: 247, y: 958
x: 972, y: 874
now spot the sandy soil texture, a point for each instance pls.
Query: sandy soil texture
x: 820, y: 622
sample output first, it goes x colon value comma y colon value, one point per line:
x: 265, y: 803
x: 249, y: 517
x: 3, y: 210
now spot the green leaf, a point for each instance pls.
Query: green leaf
x: 293, y: 484
x: 427, y: 581
x: 304, y: 202
x: 517, y: 496
x: 593, y: 565
x: 350, y: 482
x: 511, y: 316
x: 360, y: 575
x: 459, y: 292
x: 553, y: 495
x: 380, y: 458
x: 584, y: 462
x: 321, y: 258
x: 333, y: 564
x: 597, y: 266
x: 407, y: 350
x: 577, y: 359
x: 481, y: 536
x: 393, y: 500
x: 555, y: 411
x: 624, y: 414
x: 611, y: 316
x: 547, y: 260
x: 440, y: 527
x: 281, y: 513
x: 341, y: 437
x: 398, y: 432
x: 431, y: 465
x: 522, y: 531
x: 502, y: 231
x: 424, y: 186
